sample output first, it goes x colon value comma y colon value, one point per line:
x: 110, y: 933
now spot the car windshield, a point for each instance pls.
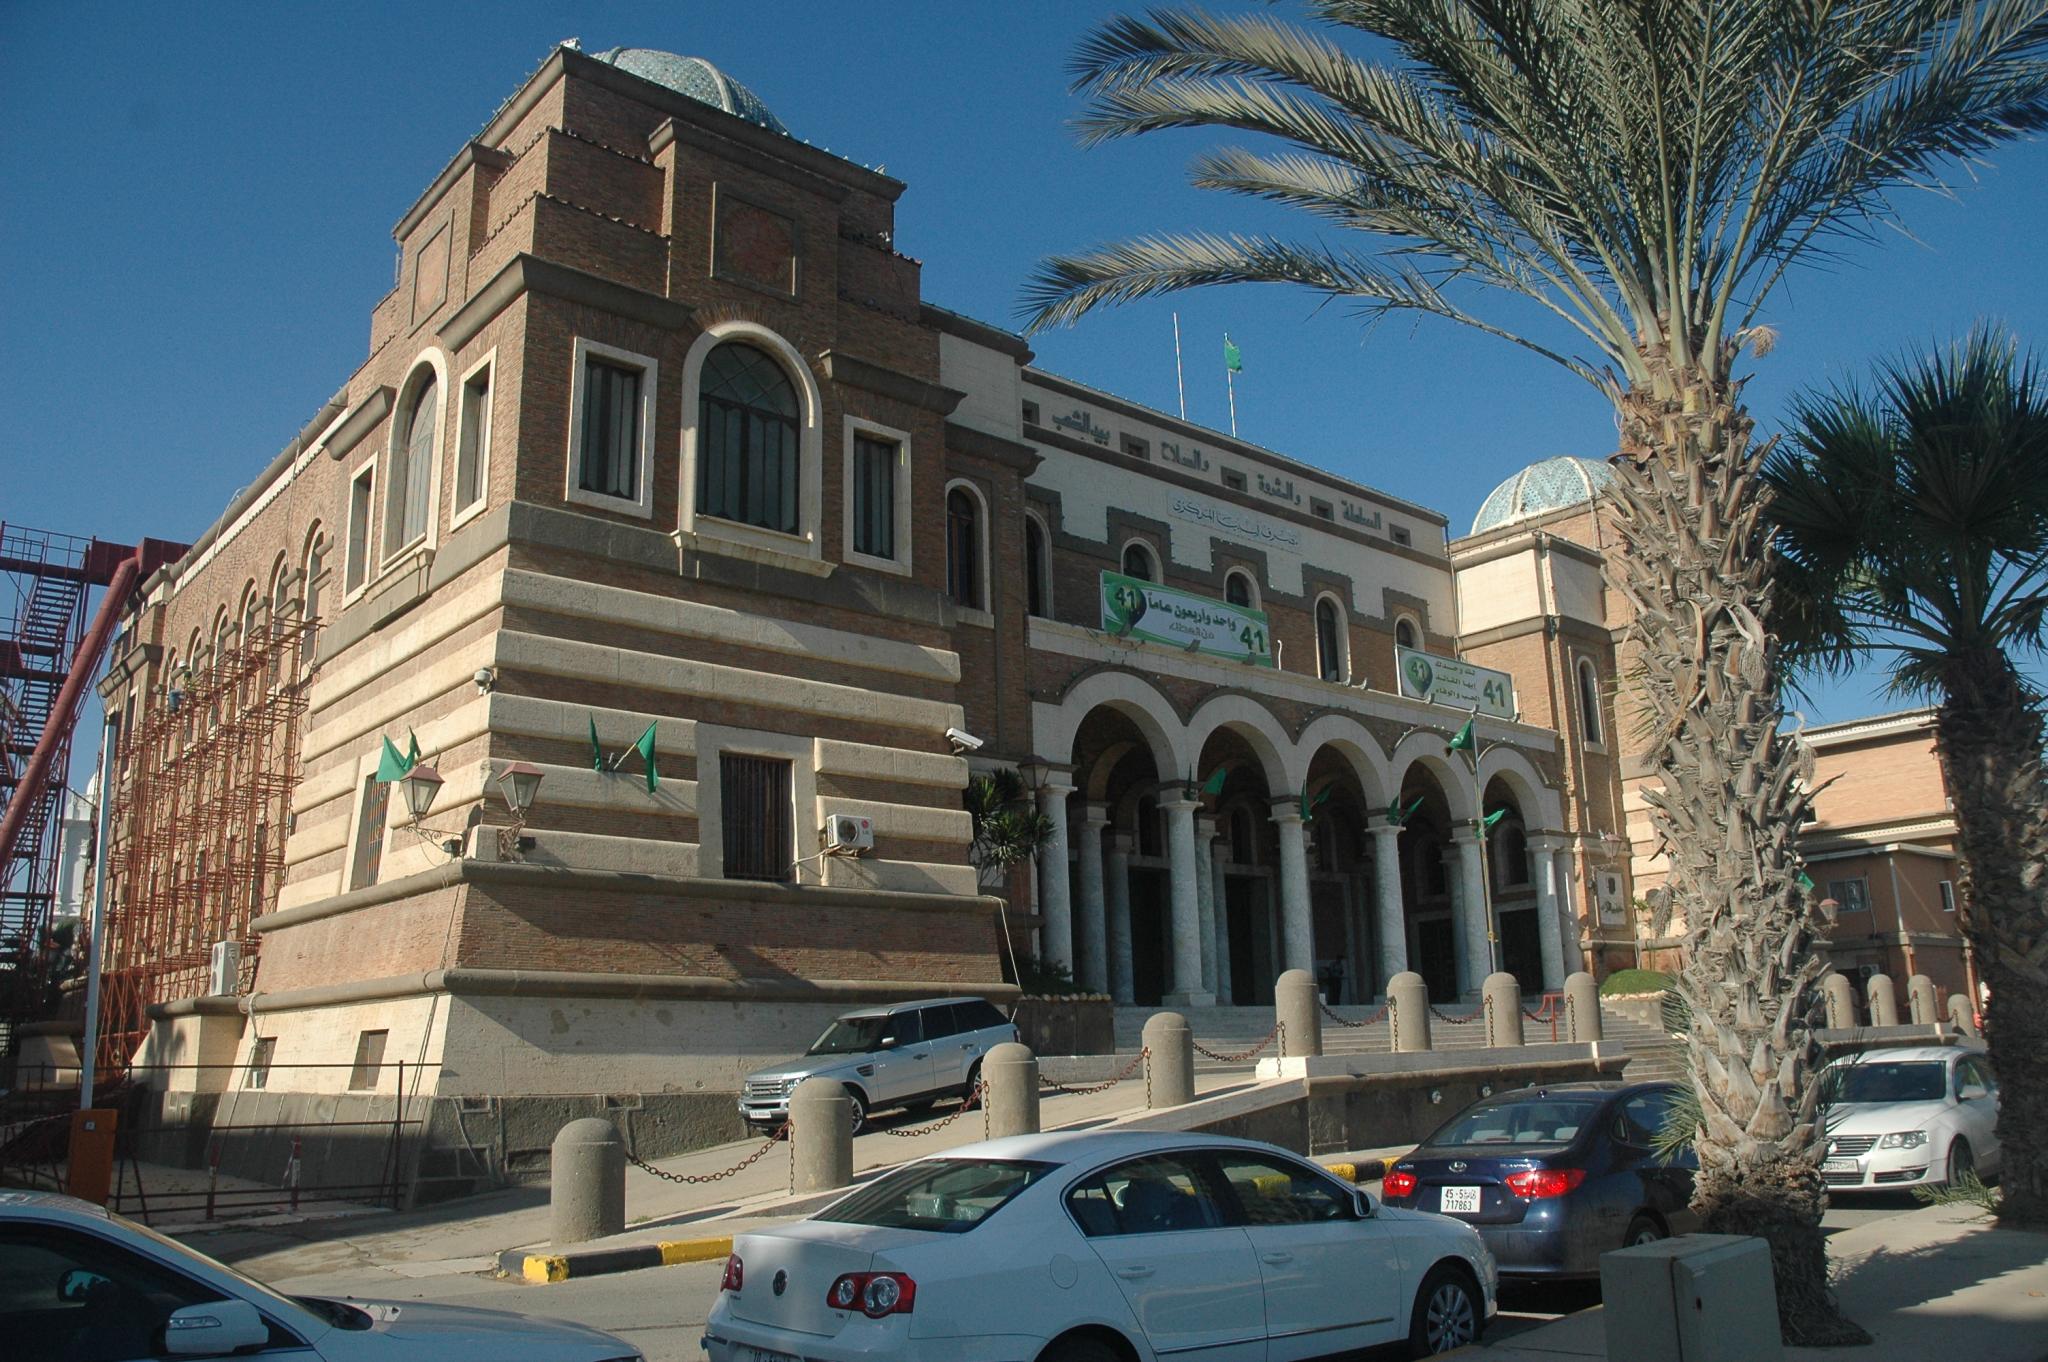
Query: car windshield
x: 850, y: 1036
x: 1550, y: 1120
x: 1925, y: 1081
x: 949, y: 1196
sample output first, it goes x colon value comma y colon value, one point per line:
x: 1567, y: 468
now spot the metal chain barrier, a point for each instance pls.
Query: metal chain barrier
x: 1547, y: 1010
x: 972, y: 1103
x: 697, y: 1179
x: 1129, y: 1069
x: 1276, y: 1033
x: 1379, y: 1016
x: 1449, y: 1020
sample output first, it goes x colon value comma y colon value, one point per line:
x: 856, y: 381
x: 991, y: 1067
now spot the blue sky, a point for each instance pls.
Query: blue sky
x: 198, y: 203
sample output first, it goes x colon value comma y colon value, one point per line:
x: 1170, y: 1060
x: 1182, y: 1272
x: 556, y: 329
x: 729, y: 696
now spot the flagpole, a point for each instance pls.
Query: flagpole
x: 1179, y: 381
x: 1230, y: 385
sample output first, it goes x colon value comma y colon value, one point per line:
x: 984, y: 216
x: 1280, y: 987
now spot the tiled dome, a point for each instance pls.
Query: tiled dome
x: 1542, y: 487
x: 697, y: 78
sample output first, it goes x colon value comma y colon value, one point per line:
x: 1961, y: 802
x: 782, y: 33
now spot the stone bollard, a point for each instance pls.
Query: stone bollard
x: 1581, y: 1008
x: 1170, y: 1062
x: 1501, y: 1002
x: 1298, y: 1008
x: 1884, y: 1001
x: 1920, y: 1001
x: 586, y: 1182
x: 1408, y: 1011
x: 1010, y: 1090
x: 1839, y: 995
x: 820, y: 1136
x: 1962, y: 1015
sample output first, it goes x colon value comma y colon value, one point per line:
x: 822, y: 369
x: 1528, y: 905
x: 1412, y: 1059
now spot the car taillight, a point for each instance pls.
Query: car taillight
x: 874, y: 1294
x: 735, y: 1273
x: 1533, y: 1184
x: 1398, y: 1183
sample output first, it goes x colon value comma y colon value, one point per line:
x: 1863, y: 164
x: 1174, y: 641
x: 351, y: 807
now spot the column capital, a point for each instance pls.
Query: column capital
x: 1177, y: 803
x: 1286, y: 809
x: 1095, y: 815
x: 1548, y: 841
x: 1120, y: 843
x: 1465, y: 834
x: 1058, y: 783
x: 1205, y: 826
x: 1379, y: 825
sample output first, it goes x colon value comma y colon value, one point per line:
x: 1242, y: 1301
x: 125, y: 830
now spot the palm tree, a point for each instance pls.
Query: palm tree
x: 1646, y: 171
x: 1006, y: 832
x: 1913, y: 520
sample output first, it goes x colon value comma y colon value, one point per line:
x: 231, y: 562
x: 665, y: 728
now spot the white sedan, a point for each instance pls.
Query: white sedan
x: 1093, y: 1247
x: 1916, y: 1116
x: 82, y: 1285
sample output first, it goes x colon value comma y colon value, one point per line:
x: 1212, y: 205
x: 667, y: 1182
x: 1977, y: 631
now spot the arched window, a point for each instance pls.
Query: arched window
x: 222, y: 622
x: 1037, y: 569
x: 316, y: 572
x: 748, y: 456
x: 1589, y: 700
x: 412, y: 468
x: 250, y: 617
x: 1404, y: 633
x: 1237, y: 589
x: 1138, y: 562
x: 1510, y: 853
x: 1330, y: 650
x: 279, y: 592
x: 963, y: 547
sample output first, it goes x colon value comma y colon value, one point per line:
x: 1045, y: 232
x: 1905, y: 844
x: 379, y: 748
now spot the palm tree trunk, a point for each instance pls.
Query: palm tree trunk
x: 1991, y: 733
x: 1702, y: 664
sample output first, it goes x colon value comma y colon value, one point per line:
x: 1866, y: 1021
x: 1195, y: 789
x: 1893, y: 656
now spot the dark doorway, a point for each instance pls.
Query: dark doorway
x: 1436, y: 957
x: 1148, y: 937
x: 1251, y: 953
x: 1521, y: 948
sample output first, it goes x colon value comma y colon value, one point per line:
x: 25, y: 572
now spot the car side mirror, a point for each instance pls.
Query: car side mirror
x: 1367, y: 1207
x: 214, y: 1329
x: 1971, y: 1091
x: 886, y: 1043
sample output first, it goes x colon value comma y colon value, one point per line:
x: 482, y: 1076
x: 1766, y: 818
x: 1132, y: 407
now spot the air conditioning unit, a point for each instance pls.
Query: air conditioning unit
x: 224, y: 972
x: 849, y: 833
x: 1607, y: 889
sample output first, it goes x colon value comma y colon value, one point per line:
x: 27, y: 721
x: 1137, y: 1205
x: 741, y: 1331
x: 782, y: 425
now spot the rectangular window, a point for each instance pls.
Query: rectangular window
x: 369, y: 1060
x: 472, y: 453
x: 756, y: 812
x: 257, y: 1075
x: 1136, y: 448
x: 1322, y: 510
x: 1852, y: 895
x: 1030, y: 413
x: 369, y: 857
x: 611, y: 430
x: 359, y: 503
x: 1399, y: 534
x: 1233, y: 479
x: 874, y: 496
x: 1948, y: 896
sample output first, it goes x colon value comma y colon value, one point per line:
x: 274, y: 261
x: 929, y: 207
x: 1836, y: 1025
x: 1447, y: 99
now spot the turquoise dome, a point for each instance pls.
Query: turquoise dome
x: 1551, y: 485
x: 697, y: 78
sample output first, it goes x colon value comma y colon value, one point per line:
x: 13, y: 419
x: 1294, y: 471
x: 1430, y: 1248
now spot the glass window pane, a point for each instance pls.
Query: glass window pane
x: 1154, y: 1195
x: 949, y: 1196
x: 1270, y: 1192
x: 874, y: 497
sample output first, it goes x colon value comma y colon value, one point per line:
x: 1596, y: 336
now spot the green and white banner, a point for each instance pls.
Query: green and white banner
x: 1447, y: 681
x: 1159, y: 614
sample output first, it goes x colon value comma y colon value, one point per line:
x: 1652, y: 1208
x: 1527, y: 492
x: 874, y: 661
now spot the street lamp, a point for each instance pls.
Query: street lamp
x: 1033, y: 770
x: 421, y: 784
x: 519, y: 782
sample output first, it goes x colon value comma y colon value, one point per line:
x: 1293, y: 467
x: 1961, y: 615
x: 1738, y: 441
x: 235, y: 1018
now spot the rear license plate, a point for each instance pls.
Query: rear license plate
x: 1840, y: 1166
x: 1459, y: 1201
x: 751, y: 1354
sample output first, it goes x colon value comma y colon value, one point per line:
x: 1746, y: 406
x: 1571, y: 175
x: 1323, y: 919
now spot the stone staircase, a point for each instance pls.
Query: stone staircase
x: 1232, y: 1031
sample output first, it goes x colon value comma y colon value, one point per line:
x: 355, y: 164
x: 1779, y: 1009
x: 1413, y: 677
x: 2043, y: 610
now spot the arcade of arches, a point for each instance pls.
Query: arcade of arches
x: 1194, y: 860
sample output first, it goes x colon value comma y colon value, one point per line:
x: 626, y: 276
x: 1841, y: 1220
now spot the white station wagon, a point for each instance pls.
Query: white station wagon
x: 1095, y: 1247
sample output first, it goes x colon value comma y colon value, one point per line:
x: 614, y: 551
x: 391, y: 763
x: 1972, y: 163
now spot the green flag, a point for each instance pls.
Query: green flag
x: 1233, y: 358
x: 1214, y: 784
x: 1464, y: 741
x: 645, y: 747
x: 1309, y: 806
x: 1493, y: 818
x: 1399, y: 816
x: 392, y: 765
x: 596, y: 749
x: 1806, y: 881
x: 412, y: 750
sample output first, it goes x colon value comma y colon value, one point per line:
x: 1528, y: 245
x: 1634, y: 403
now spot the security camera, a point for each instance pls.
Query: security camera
x: 485, y: 679
x: 963, y: 741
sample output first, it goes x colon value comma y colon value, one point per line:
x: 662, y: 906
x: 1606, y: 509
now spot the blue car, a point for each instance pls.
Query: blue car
x: 1553, y: 1177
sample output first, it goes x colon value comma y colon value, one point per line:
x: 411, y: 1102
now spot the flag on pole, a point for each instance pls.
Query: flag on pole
x: 1214, y: 784
x: 596, y: 750
x: 1233, y: 358
x: 1493, y: 817
x: 645, y: 747
x: 1399, y: 816
x: 1464, y: 741
x: 1806, y: 881
x: 392, y: 765
x: 412, y: 750
x: 1309, y: 806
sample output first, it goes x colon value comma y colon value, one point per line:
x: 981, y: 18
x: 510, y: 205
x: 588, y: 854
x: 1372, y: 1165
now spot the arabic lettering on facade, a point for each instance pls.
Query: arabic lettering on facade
x: 1356, y: 515
x: 1236, y: 522
x: 1280, y: 489
x: 1170, y: 452
x: 1082, y: 422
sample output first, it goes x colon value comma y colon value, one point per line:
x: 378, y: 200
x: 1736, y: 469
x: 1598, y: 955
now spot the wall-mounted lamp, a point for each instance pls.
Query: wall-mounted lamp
x: 519, y: 782
x: 1033, y: 770
x: 422, y: 785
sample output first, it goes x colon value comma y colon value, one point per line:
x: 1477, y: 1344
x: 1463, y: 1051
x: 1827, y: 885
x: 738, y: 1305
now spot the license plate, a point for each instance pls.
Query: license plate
x: 751, y: 1354
x: 1459, y: 1201
x: 1840, y: 1166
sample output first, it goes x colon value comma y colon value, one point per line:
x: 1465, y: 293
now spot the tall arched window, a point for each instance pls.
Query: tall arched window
x: 1404, y: 633
x: 963, y: 547
x: 1037, y: 569
x: 748, y: 457
x: 279, y: 593
x: 412, y: 469
x: 1138, y: 562
x: 316, y: 572
x: 1330, y: 650
x: 1589, y: 700
x: 1237, y: 589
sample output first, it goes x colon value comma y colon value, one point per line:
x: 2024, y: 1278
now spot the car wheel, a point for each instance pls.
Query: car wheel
x: 1642, y: 1230
x: 860, y: 1109
x: 1083, y: 1349
x: 1447, y: 1314
x: 1961, y: 1162
x: 968, y: 1095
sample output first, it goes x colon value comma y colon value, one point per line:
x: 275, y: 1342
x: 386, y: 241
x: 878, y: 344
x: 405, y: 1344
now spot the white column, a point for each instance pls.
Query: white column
x: 1091, y: 963
x: 1055, y: 895
x: 1120, y: 917
x: 1297, y: 932
x: 1550, y: 924
x: 1205, y: 889
x: 1219, y: 888
x: 1185, y: 947
x: 1474, y: 953
x: 1392, y: 919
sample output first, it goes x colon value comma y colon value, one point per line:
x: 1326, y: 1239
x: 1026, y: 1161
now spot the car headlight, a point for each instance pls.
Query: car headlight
x: 1903, y: 1139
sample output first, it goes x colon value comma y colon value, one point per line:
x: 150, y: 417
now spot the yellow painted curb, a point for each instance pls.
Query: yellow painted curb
x: 545, y: 1268
x: 1346, y: 1171
x: 693, y: 1250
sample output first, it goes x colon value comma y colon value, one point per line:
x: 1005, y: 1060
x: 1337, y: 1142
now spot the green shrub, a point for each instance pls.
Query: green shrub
x: 1635, y: 981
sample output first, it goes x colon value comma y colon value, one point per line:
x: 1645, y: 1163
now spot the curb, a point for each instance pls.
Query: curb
x: 543, y: 1268
x: 1364, y: 1170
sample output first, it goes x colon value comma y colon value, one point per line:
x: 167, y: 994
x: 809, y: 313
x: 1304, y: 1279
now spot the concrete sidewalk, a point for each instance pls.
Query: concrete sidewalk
x: 1938, y: 1282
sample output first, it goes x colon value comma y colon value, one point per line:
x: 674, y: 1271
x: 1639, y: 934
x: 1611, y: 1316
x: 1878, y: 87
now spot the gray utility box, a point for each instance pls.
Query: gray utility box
x: 1700, y: 1298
